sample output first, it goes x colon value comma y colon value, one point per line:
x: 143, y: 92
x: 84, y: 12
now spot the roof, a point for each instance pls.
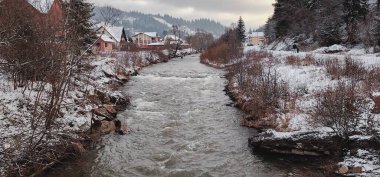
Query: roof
x: 150, y: 34
x: 116, y: 32
x: 172, y: 37
x: 105, y: 38
x: 41, y: 5
x: 156, y: 44
x: 256, y: 34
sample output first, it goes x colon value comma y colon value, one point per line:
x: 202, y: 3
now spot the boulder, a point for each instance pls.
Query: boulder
x: 111, y: 109
x: 121, y: 127
x: 94, y: 99
x: 122, y: 77
x: 104, y: 98
x: 119, y: 100
x: 357, y: 170
x: 376, y: 108
x: 296, y: 143
x: 102, y: 112
x: 78, y: 148
x: 343, y: 169
x: 107, y: 127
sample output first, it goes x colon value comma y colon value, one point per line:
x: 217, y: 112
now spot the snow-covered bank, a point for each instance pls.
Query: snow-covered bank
x: 95, y: 88
x: 305, y: 79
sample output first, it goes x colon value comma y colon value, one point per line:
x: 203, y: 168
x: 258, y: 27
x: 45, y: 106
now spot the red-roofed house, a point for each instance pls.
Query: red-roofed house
x: 110, y: 38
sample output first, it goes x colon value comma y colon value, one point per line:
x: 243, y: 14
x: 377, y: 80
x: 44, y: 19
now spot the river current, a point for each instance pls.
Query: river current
x: 181, y: 126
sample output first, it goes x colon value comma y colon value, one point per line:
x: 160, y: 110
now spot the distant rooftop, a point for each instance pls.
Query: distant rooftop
x: 256, y: 34
x: 151, y: 34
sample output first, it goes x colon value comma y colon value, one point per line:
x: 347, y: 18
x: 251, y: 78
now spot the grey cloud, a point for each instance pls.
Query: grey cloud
x: 226, y: 11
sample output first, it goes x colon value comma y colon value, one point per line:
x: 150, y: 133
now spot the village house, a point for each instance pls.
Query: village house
x: 142, y: 39
x: 110, y: 39
x: 169, y: 40
x: 256, y: 38
x: 44, y: 12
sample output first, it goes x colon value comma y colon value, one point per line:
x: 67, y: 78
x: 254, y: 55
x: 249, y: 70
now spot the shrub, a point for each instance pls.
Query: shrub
x: 340, y: 108
x: 261, y: 84
x: 350, y: 69
x: 293, y: 60
x: 333, y: 68
x: 309, y: 60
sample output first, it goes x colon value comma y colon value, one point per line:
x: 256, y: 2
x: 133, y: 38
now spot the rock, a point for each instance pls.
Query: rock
x: 122, y: 77
x: 106, y: 127
x: 94, y: 99
x: 119, y: 100
x: 121, y: 127
x: 103, y: 113
x: 296, y: 143
x: 78, y: 148
x: 357, y: 170
x: 104, y: 98
x: 376, y: 108
x: 110, y: 109
x: 343, y: 169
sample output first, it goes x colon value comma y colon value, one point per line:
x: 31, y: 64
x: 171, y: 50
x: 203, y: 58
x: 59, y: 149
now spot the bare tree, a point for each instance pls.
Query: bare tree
x: 110, y: 15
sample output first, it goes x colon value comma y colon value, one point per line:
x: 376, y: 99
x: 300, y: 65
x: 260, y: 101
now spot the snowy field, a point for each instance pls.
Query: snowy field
x: 311, y: 79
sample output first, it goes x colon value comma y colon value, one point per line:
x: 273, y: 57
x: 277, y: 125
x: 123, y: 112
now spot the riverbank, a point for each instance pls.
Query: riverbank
x: 281, y: 93
x: 89, y: 111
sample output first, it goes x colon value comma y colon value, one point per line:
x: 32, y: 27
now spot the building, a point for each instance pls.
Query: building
x: 256, y: 38
x: 104, y: 44
x: 142, y: 39
x: 44, y: 12
x: 110, y: 38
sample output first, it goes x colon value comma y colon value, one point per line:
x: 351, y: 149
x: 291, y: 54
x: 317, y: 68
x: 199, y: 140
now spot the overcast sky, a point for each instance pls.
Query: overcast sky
x: 254, y: 12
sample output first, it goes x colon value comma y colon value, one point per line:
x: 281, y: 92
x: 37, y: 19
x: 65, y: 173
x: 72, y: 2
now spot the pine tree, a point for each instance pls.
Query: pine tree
x: 353, y: 11
x: 377, y: 21
x: 79, y: 26
x: 241, y: 30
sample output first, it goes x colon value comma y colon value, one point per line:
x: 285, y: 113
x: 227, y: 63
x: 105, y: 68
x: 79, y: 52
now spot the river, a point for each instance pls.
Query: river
x: 181, y: 125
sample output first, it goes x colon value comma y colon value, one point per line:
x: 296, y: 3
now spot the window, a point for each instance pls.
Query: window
x: 106, y: 44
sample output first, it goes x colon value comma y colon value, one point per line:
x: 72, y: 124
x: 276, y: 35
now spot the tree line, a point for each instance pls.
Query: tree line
x: 326, y: 22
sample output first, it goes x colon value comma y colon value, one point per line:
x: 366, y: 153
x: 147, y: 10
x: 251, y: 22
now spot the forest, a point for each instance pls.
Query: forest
x: 326, y: 22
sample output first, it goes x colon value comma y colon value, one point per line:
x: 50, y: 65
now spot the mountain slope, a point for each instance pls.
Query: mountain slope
x: 135, y: 21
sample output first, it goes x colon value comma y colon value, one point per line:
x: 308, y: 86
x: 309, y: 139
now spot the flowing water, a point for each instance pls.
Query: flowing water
x: 181, y: 125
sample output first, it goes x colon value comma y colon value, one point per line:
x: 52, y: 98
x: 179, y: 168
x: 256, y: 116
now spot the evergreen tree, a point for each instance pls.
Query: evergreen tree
x: 377, y: 25
x: 79, y: 26
x: 353, y: 10
x: 241, y: 30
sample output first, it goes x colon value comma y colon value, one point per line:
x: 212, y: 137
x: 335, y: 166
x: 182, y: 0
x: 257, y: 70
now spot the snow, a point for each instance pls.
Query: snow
x: 41, y: 5
x: 163, y: 22
x: 105, y: 38
x: 75, y: 113
x: 151, y: 34
x: 332, y: 49
x: 367, y: 159
x: 116, y: 32
x: 256, y: 34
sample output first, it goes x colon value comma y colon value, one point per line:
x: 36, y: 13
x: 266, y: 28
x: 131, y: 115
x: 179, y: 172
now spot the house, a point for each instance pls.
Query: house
x: 104, y: 44
x: 142, y: 39
x: 114, y: 36
x: 256, y: 38
x: 44, y: 12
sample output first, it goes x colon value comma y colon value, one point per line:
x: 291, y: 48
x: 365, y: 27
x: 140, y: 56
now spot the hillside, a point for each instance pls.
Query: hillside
x: 135, y: 21
x: 313, y: 23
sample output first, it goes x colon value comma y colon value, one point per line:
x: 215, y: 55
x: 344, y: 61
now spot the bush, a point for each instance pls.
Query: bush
x: 350, y: 69
x: 340, y: 108
x: 225, y: 50
x: 261, y: 84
